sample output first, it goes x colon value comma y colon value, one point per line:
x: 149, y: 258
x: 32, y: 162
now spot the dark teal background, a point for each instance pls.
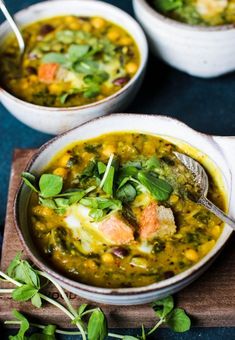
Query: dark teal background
x: 205, y: 105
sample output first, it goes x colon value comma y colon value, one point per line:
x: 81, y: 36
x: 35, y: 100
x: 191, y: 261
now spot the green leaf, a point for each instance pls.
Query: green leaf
x: 108, y: 183
x: 167, y: 5
x: 126, y: 174
x: 23, y: 272
x: 178, y: 320
x: 24, y: 326
x: 101, y: 203
x: 64, y: 97
x: 62, y: 202
x: 163, y: 306
x: 86, y: 66
x: 126, y: 193
x: 101, y: 167
x: 60, y: 211
x: 89, y: 169
x: 143, y: 334
x: 159, y: 188
x: 36, y: 300
x: 13, y: 264
x: 76, y: 197
x: 47, y: 202
x: 96, y: 214
x: 97, y: 326
x: 82, y: 309
x: 49, y: 330
x: 152, y: 163
x: 50, y: 185
x: 24, y: 293
x: 129, y: 337
x: 29, y: 180
x: 76, y: 52
x: 48, y: 333
x: 90, y: 202
x: 26, y: 274
x: 92, y: 91
x: 54, y: 57
x: 96, y: 78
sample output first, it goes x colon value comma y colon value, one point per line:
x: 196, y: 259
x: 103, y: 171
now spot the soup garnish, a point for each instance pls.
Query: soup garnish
x: 198, y: 12
x: 119, y: 211
x: 69, y: 61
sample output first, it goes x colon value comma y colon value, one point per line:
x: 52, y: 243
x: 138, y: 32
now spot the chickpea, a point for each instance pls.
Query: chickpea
x: 33, y: 78
x: 42, y: 211
x: 55, y: 88
x: 108, y: 150
x: 98, y: 23
x: 69, y: 19
x: 24, y: 84
x: 39, y: 226
x: 215, y: 231
x: 174, y: 199
x: 191, y: 255
x: 90, y: 264
x: 125, y: 41
x: 113, y: 34
x: 131, y: 67
x: 75, y: 25
x: 87, y: 27
x: 64, y: 160
x: 107, y: 258
x: 206, y: 247
x: 26, y: 62
x: 62, y: 172
x: 149, y: 148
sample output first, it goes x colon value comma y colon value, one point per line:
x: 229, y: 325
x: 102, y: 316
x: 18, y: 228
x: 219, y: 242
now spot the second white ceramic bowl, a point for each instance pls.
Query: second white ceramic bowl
x: 200, y: 51
x: 57, y: 120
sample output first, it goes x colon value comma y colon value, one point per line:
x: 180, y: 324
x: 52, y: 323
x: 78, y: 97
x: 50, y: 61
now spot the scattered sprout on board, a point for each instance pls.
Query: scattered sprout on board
x: 29, y: 284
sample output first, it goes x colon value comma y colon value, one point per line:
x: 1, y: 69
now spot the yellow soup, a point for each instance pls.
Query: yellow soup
x: 120, y: 211
x: 69, y: 61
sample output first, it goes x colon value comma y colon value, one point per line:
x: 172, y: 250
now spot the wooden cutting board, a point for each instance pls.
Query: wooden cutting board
x: 210, y: 300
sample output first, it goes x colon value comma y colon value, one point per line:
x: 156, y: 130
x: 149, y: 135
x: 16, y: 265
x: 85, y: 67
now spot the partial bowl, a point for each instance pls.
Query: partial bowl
x: 200, y: 51
x: 57, y: 120
x: 218, y: 150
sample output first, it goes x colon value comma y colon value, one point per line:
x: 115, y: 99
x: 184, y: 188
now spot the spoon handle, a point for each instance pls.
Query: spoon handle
x: 13, y: 26
x: 215, y: 210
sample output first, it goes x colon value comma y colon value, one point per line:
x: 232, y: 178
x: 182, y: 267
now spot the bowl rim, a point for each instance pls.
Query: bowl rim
x: 171, y: 22
x: 143, y: 51
x: 155, y: 287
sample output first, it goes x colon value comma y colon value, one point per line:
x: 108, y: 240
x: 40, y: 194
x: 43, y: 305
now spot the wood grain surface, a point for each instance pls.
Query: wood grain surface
x: 210, y: 300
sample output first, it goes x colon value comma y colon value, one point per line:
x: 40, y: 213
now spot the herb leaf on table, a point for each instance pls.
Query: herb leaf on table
x: 20, y: 272
x: 97, y: 326
x: 24, y: 326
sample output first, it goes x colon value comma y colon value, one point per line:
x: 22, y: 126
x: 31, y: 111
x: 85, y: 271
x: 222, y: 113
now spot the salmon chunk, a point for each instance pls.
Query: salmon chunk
x: 156, y: 221
x: 47, y: 72
x: 116, y: 229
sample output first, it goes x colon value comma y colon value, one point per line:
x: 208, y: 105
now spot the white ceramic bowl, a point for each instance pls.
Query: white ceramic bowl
x: 57, y: 120
x: 200, y: 51
x: 220, y: 156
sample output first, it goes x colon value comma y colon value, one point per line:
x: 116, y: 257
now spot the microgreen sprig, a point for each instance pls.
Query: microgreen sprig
x: 29, y: 281
x: 50, y: 191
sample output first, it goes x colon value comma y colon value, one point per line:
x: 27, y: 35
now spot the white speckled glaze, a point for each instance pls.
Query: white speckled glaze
x: 200, y: 51
x: 58, y: 120
x: 221, y: 151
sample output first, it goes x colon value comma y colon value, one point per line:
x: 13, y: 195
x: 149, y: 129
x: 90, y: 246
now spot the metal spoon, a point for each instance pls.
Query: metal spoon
x: 13, y: 26
x: 201, y: 179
